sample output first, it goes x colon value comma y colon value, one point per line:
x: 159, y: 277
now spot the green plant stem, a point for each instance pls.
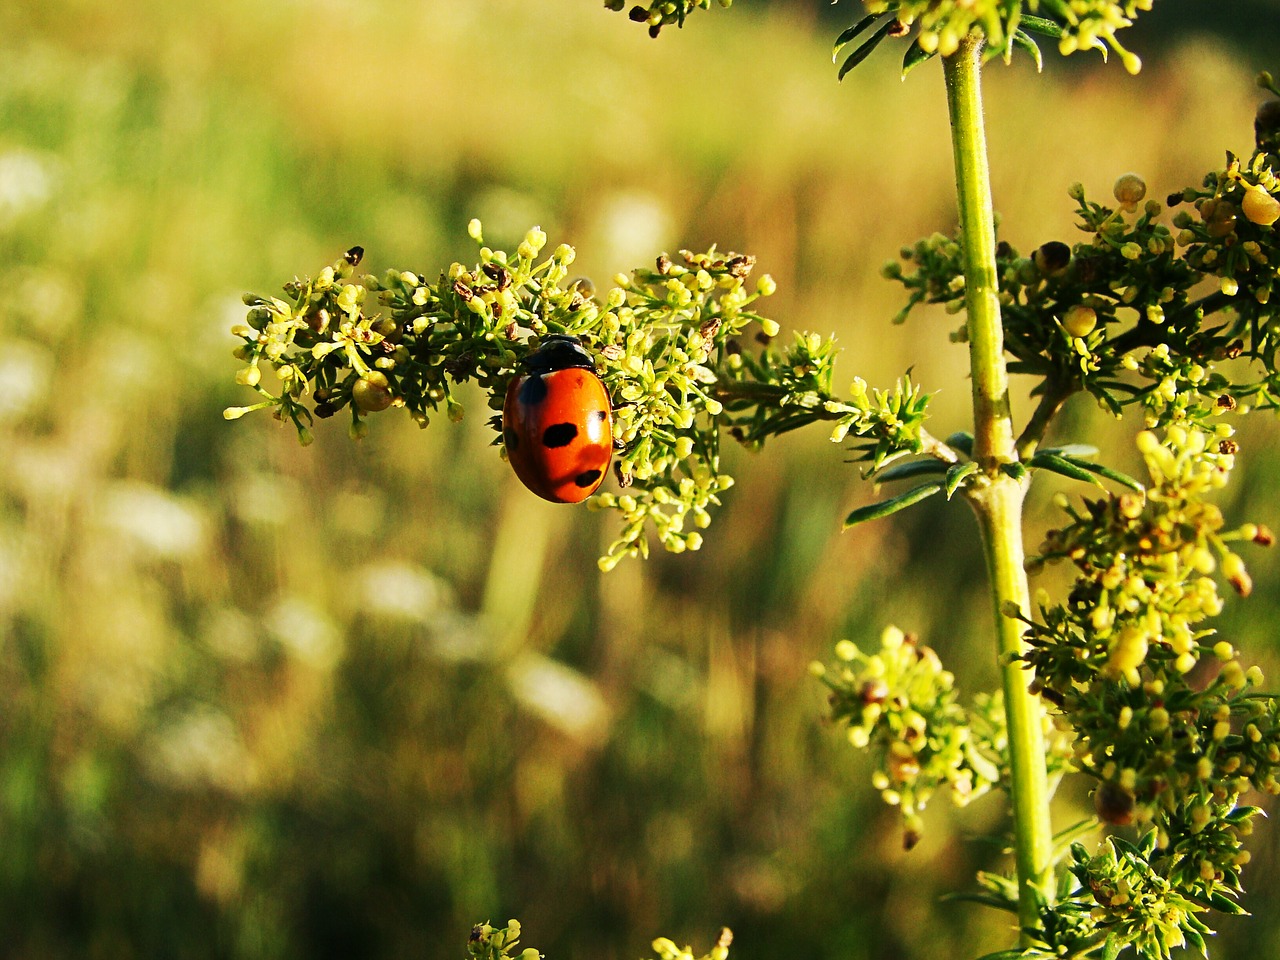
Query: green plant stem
x: 1051, y: 401
x: 998, y: 500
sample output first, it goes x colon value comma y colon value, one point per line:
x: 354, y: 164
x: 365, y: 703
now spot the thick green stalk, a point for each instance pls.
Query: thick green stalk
x: 997, y: 498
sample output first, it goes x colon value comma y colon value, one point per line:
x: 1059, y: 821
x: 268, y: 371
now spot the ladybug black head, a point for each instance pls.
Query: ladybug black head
x: 558, y: 351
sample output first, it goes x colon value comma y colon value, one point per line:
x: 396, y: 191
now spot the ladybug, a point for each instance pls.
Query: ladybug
x: 557, y: 422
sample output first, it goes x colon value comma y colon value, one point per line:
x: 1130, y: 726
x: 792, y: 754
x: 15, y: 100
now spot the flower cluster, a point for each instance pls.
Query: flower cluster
x: 1132, y: 903
x: 657, y: 14
x: 1118, y: 656
x: 1003, y: 25
x: 669, y: 343
x: 1145, y: 562
x: 1164, y: 716
x: 667, y: 950
x: 488, y: 942
x: 902, y: 702
x: 1120, y: 307
x: 1231, y: 235
x: 1080, y: 25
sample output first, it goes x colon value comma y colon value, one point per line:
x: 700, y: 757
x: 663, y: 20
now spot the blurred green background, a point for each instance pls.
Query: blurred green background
x: 267, y: 703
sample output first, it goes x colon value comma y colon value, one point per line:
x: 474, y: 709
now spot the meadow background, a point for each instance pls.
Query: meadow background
x: 264, y: 702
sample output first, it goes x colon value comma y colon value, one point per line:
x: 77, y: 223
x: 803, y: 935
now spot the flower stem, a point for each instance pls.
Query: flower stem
x: 998, y: 499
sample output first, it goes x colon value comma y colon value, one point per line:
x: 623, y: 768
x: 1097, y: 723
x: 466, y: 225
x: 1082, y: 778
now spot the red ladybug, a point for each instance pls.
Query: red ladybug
x: 557, y: 422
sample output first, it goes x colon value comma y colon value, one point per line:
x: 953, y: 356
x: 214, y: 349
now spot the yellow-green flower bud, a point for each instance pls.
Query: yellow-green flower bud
x: 1259, y: 206
x: 372, y: 392
x: 1079, y: 320
x: 1129, y: 189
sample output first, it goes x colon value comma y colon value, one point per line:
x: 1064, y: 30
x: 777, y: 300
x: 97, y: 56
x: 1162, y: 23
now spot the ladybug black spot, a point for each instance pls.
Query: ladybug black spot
x: 587, y: 478
x: 511, y: 439
x: 600, y: 415
x: 533, y: 391
x: 559, y: 435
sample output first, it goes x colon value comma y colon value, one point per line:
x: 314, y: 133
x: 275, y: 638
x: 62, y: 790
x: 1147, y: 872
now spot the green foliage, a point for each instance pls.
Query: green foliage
x: 937, y: 28
x: 667, y: 343
x: 1079, y: 319
x: 900, y: 701
x: 667, y: 949
x: 497, y: 943
x: 1117, y: 317
x: 1170, y: 723
x: 493, y: 943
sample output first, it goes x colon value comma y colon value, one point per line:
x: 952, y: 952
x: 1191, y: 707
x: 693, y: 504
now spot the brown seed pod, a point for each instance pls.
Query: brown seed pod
x: 1266, y: 125
x: 1114, y: 804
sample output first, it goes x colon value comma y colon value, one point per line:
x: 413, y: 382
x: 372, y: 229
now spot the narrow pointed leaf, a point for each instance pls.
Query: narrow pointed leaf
x: 1226, y: 905
x: 1115, y: 476
x: 1011, y: 31
x: 850, y: 34
x: 1046, y: 28
x: 1064, y: 467
x: 1112, y: 948
x: 1023, y: 39
x: 1072, y: 450
x: 884, y: 508
x: 956, y: 475
x: 1013, y: 954
x: 864, y: 51
x: 916, y: 468
x: 915, y: 56
x: 1195, y: 940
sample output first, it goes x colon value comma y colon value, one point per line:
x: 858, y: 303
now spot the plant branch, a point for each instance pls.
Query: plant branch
x: 1051, y: 401
x: 998, y: 500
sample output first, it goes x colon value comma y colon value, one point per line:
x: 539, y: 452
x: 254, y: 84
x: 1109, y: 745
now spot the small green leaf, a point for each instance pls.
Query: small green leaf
x: 1046, y: 28
x: 1064, y: 467
x: 1016, y: 470
x: 1014, y: 954
x: 916, y: 468
x: 1112, y: 948
x: 915, y: 56
x: 956, y: 475
x: 1022, y: 39
x: 884, y: 508
x: 1011, y: 32
x: 851, y: 33
x: 864, y: 51
x: 1103, y: 471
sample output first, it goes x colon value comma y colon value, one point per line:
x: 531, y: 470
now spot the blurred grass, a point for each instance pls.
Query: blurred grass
x: 265, y: 702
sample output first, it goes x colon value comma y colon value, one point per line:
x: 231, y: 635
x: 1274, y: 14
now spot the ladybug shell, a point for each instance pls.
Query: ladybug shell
x: 557, y: 423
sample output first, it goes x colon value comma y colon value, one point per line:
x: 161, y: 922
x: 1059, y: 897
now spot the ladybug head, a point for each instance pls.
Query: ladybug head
x: 558, y: 351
